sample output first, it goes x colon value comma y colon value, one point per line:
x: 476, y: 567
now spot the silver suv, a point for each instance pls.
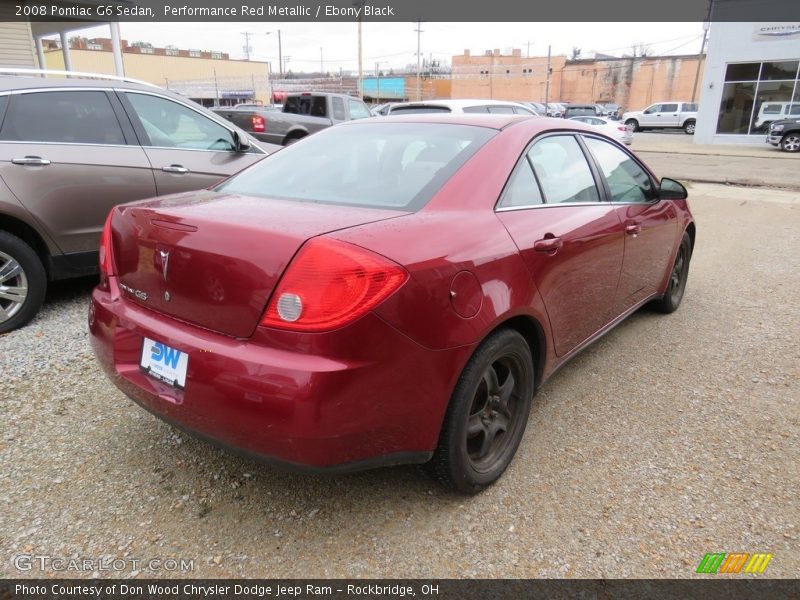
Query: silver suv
x: 71, y: 149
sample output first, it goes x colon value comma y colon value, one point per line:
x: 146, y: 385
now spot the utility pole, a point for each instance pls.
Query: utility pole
x: 528, y: 55
x: 247, y: 48
x: 419, y: 81
x: 547, y: 87
x: 321, y: 65
x: 700, y: 61
x: 280, y: 54
x: 360, y: 91
x: 378, y: 81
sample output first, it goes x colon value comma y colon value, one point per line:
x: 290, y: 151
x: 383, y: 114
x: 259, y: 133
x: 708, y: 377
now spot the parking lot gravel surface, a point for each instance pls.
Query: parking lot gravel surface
x: 671, y: 437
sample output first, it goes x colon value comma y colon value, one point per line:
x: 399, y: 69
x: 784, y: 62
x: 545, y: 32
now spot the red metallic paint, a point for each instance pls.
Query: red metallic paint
x: 380, y: 386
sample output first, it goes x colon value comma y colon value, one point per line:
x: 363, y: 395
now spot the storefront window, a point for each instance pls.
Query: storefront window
x: 756, y: 94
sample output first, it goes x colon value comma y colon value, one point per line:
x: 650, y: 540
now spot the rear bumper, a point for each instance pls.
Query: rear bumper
x: 356, y: 398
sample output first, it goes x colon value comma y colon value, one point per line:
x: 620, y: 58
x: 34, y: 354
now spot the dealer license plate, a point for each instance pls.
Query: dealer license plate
x: 164, y: 363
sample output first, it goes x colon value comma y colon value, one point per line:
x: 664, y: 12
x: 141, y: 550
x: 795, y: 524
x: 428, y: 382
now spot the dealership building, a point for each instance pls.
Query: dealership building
x: 752, y: 77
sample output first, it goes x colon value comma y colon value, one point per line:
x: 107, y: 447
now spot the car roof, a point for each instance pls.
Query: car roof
x: 462, y: 103
x: 18, y: 82
x: 498, y: 122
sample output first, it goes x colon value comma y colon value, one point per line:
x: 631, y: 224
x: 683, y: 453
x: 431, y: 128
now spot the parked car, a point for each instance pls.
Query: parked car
x: 555, y: 109
x: 664, y: 115
x: 581, y: 110
x: 770, y: 112
x: 614, y: 129
x: 381, y: 110
x: 785, y: 134
x: 611, y: 111
x: 302, y: 115
x: 480, y: 106
x: 538, y: 107
x: 397, y: 302
x: 70, y: 149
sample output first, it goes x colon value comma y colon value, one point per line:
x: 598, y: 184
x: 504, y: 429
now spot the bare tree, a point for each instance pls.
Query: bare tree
x: 576, y: 53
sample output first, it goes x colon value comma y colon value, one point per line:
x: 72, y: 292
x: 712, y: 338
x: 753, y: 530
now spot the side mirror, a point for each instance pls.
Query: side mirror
x: 669, y: 189
x: 240, y: 142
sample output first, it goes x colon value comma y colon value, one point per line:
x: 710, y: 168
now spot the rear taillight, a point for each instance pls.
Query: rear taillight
x: 329, y: 284
x: 258, y: 124
x: 622, y: 128
x: 106, y: 253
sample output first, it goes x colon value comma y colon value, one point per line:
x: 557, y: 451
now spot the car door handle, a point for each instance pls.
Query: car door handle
x: 633, y: 229
x: 548, y: 245
x: 180, y: 169
x: 31, y: 161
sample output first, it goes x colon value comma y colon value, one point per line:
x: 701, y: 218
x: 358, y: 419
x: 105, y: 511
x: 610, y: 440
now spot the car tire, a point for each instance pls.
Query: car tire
x: 292, y: 139
x: 676, y: 286
x: 487, y: 414
x: 22, y: 271
x: 688, y: 127
x: 791, y: 142
x: 633, y: 125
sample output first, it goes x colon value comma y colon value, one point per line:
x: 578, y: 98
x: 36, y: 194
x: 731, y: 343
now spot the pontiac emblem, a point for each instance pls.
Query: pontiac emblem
x: 164, y: 262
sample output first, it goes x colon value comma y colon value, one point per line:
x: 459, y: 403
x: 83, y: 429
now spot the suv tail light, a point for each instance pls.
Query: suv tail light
x: 622, y: 128
x: 258, y: 124
x: 329, y: 284
x: 106, y: 253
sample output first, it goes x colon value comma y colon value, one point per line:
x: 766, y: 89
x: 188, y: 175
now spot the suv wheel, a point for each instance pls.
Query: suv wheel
x: 688, y: 127
x: 23, y: 282
x: 791, y: 142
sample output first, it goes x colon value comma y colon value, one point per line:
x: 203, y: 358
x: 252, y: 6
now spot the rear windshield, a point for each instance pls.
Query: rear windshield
x: 419, y: 110
x: 377, y: 164
x: 581, y: 110
x: 305, y: 105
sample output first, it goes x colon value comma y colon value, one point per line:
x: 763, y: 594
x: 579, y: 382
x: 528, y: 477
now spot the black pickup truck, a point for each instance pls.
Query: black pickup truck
x: 302, y: 115
x: 785, y: 134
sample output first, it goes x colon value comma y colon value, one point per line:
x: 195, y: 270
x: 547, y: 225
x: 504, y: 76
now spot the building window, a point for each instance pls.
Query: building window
x: 195, y: 53
x: 216, y: 55
x: 145, y: 50
x: 756, y: 94
x: 172, y: 52
x: 91, y: 46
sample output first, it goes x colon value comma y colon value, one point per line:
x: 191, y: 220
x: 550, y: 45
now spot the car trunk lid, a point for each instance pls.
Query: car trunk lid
x: 213, y: 259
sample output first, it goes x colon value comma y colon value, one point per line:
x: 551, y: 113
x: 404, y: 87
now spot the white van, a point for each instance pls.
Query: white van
x: 775, y: 111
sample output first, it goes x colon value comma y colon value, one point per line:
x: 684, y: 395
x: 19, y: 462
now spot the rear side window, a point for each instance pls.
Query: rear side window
x: 795, y: 110
x: 562, y: 170
x: 669, y: 108
x: 386, y: 165
x: 522, y: 189
x: 476, y: 109
x: 501, y: 110
x: 79, y: 117
x: 3, y: 104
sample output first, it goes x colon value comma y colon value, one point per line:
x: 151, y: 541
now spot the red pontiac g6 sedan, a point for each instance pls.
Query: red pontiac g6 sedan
x: 386, y: 291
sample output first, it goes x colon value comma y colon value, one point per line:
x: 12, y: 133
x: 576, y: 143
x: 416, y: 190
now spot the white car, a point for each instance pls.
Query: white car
x: 480, y: 106
x: 614, y: 129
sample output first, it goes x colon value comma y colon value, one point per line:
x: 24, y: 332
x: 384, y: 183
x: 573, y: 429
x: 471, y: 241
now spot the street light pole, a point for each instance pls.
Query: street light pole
x: 419, y: 33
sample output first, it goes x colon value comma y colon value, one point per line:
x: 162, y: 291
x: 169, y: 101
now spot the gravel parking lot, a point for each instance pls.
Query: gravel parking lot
x: 672, y: 437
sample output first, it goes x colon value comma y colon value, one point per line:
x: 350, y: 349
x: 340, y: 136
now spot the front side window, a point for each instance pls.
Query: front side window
x: 358, y: 110
x: 386, y: 165
x: 169, y: 124
x: 669, y: 108
x: 627, y: 181
x: 562, y: 170
x: 79, y: 117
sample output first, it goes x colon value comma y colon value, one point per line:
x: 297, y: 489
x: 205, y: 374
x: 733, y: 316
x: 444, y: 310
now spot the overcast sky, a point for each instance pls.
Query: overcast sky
x: 394, y: 44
